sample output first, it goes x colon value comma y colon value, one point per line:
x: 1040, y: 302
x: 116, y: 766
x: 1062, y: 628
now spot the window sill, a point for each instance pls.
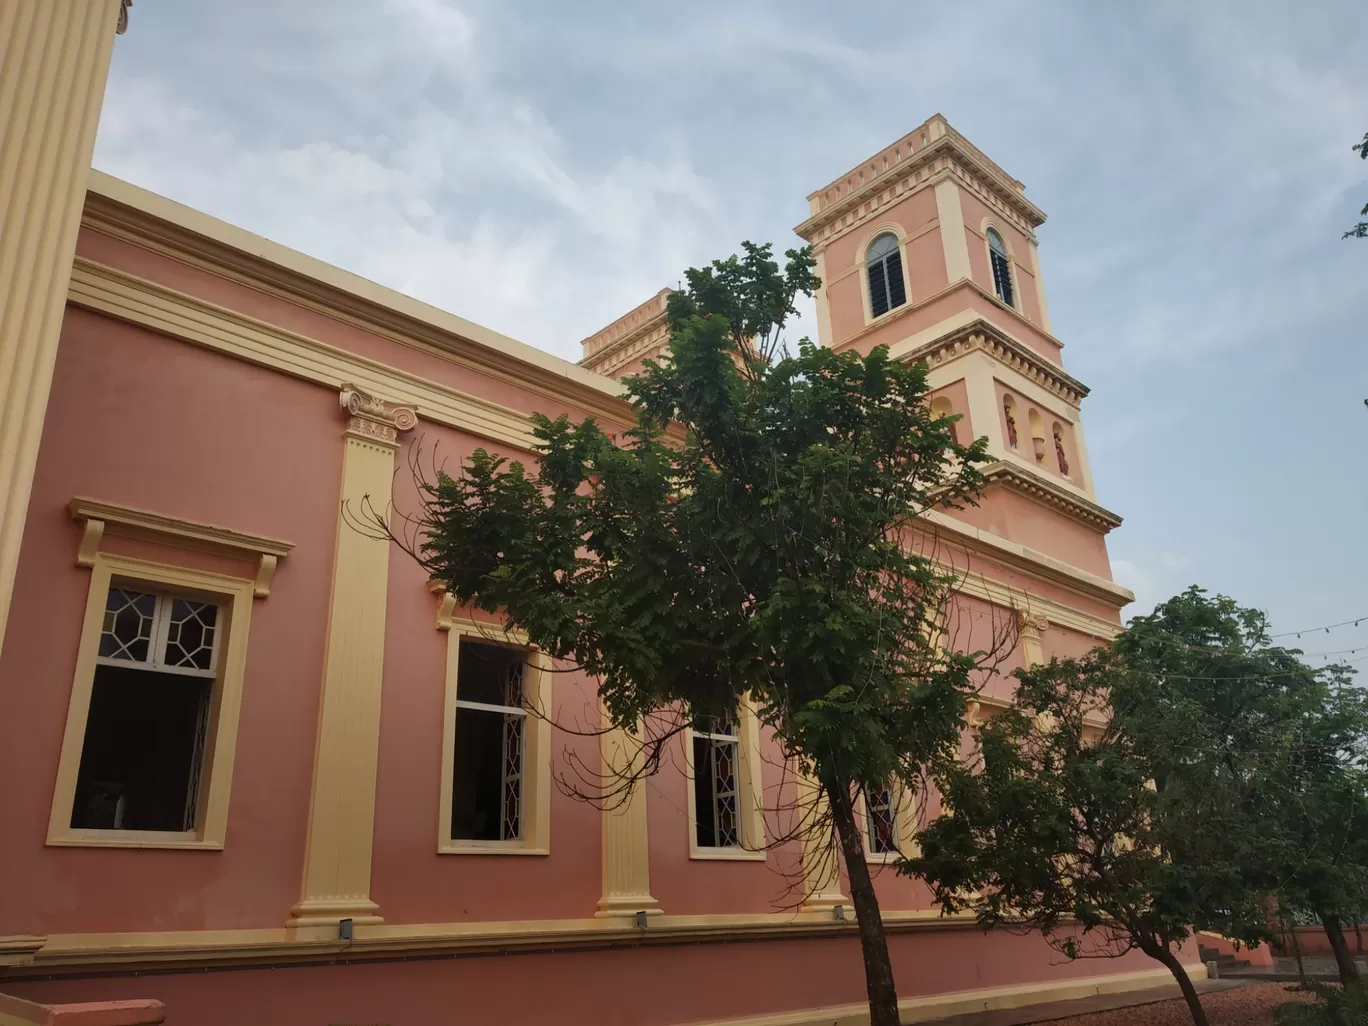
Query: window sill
x: 489, y: 848
x: 870, y: 320
x: 726, y: 855
x: 882, y: 858
x: 132, y: 839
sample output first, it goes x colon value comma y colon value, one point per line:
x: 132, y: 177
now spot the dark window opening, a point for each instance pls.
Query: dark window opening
x: 487, y: 764
x: 1002, y: 268
x: 884, y: 263
x: 882, y: 827
x: 716, y: 756
x: 143, y: 751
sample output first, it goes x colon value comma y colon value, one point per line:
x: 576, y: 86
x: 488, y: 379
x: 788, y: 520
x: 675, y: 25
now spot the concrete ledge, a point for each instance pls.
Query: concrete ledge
x: 16, y: 1012
x: 939, y: 1006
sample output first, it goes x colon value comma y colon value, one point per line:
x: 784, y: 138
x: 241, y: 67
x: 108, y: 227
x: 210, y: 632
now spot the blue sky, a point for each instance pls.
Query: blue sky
x: 541, y: 167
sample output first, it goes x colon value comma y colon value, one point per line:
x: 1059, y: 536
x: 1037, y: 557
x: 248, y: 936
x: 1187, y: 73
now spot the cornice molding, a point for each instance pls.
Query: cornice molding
x: 221, y: 947
x: 1026, y: 483
x: 983, y: 335
x: 150, y: 305
x: 621, y: 351
x: 945, y: 530
x: 151, y: 222
x: 158, y: 308
x: 102, y: 518
x: 951, y: 155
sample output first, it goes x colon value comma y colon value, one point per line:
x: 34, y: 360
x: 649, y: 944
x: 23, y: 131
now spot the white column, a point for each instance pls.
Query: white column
x: 337, y: 856
x: 54, y: 59
x: 953, y: 241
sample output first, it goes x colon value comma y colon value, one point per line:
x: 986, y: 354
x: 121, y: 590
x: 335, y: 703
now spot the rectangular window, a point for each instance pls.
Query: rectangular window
x: 716, y: 766
x: 881, y: 821
x: 489, y: 742
x: 151, y: 733
x: 142, y: 757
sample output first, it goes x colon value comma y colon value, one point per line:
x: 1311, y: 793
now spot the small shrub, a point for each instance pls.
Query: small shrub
x: 1334, y: 1006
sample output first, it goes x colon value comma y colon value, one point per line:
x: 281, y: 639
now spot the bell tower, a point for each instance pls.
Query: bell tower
x: 929, y: 247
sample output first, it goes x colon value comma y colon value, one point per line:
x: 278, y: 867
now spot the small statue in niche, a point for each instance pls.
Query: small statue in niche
x: 1011, y: 425
x: 1059, y: 453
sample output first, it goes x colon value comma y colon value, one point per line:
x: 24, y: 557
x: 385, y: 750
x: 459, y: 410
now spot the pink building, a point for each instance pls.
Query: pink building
x: 258, y: 771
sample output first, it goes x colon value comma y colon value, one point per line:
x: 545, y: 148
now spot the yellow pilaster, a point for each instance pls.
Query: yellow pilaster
x: 626, y: 851
x: 821, y: 863
x: 1031, y: 630
x: 337, y: 857
x: 54, y: 59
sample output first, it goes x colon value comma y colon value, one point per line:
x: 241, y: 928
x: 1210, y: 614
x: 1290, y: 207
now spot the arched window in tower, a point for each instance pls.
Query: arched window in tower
x: 1002, y: 267
x: 1059, y: 450
x: 1037, y: 434
x: 940, y: 407
x: 1009, y: 416
x: 884, y: 263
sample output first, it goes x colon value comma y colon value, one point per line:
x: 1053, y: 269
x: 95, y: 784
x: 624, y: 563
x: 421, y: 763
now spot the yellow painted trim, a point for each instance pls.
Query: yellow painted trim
x: 1040, y: 286
x: 968, y: 332
x: 821, y: 857
x: 56, y: 60
x: 536, y: 796
x: 626, y: 839
x: 155, y: 223
x: 824, y: 336
x: 234, y: 595
x: 216, y: 947
x: 102, y: 518
x: 1015, y: 556
x: 339, y: 843
x: 145, y: 303
x: 752, y: 811
x: 938, y: 1006
x: 19, y: 949
x: 955, y: 246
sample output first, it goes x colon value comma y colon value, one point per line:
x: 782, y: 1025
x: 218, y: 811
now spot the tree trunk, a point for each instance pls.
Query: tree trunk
x: 1343, y: 959
x: 1358, y: 936
x: 1296, y: 950
x: 883, y: 993
x: 1170, y: 962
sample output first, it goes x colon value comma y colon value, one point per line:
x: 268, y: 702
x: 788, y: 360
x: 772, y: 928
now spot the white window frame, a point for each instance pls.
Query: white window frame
x: 904, y: 810
x: 534, y: 814
x: 1016, y: 306
x: 234, y: 598
x: 896, y: 230
x: 749, y: 811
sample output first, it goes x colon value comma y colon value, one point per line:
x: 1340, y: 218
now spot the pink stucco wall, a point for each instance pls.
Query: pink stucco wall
x: 412, y: 883
x: 632, y: 986
x: 139, y: 419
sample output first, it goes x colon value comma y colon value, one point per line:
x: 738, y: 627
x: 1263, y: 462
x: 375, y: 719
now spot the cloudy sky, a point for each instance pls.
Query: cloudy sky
x: 540, y: 167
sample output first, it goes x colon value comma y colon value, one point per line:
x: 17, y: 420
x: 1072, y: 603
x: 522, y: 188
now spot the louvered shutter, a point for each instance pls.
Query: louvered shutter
x: 878, y: 288
x: 897, y: 294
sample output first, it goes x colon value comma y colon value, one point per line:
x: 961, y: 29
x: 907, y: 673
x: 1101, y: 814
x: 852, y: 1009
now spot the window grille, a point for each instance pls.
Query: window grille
x: 490, y: 741
x: 717, y: 754
x: 142, y: 758
x: 1002, y: 267
x: 884, y: 264
x: 882, y: 825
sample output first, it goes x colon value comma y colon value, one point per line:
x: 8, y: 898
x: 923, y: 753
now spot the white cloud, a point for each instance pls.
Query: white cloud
x: 1153, y: 576
x: 469, y: 198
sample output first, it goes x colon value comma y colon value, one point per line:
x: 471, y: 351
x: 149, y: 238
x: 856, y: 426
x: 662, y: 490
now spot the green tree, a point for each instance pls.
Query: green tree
x: 1322, y: 808
x: 1360, y: 230
x: 1055, y: 825
x: 1223, y: 713
x: 747, y: 536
